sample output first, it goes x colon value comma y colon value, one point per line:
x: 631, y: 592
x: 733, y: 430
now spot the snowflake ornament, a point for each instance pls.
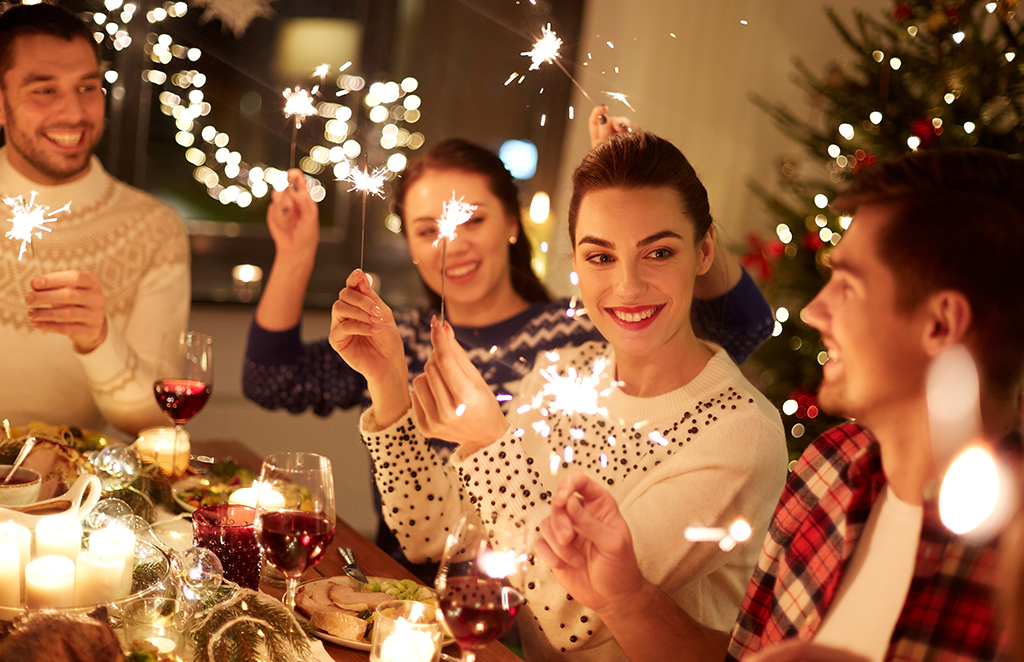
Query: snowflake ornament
x: 235, y: 15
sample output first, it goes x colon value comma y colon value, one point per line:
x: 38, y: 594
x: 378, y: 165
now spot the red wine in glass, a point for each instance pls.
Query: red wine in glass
x: 295, y: 514
x: 181, y: 399
x: 474, y: 583
x: 184, y: 378
x: 295, y: 541
x: 479, y: 609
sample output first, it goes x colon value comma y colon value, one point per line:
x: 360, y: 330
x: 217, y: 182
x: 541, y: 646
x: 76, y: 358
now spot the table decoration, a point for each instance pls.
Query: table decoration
x: 406, y: 631
x: 159, y: 622
x: 99, y: 578
x: 50, y: 583
x: 156, y: 446
x: 116, y: 540
x: 20, y: 537
x: 227, y: 531
x: 12, y: 578
x: 59, y: 535
x: 244, y: 625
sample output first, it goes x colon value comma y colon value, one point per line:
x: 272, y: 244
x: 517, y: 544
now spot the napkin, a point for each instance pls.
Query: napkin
x: 319, y: 653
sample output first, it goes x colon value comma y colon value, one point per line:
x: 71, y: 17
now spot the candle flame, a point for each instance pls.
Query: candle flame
x: 29, y: 220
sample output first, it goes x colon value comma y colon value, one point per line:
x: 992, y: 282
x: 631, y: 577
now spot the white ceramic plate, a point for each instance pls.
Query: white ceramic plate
x: 359, y: 645
x: 190, y: 483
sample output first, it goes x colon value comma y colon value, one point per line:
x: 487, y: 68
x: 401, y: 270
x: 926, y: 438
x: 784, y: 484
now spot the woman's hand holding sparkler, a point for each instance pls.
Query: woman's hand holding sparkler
x: 451, y: 401
x: 294, y: 222
x: 602, y: 126
x: 69, y: 303
x: 364, y: 334
x: 588, y: 546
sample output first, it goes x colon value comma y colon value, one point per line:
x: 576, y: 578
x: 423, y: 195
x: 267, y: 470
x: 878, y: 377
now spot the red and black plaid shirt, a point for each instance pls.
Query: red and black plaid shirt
x: 948, y: 614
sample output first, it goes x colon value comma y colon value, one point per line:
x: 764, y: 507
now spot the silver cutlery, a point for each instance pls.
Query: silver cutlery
x: 352, y: 568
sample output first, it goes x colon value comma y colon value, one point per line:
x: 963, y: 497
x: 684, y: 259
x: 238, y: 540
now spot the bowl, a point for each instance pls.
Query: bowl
x: 22, y: 489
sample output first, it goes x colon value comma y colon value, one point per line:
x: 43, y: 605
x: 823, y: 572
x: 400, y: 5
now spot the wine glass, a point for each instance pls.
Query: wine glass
x: 295, y: 514
x: 184, y: 379
x: 475, y: 582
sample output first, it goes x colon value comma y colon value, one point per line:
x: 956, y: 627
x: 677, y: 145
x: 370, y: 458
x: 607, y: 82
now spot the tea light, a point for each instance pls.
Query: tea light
x: 407, y: 644
x: 99, y: 578
x: 163, y: 644
x: 156, y: 446
x: 116, y: 541
x: 59, y: 535
x: 269, y: 498
x: 21, y: 538
x: 10, y: 575
x: 50, y: 583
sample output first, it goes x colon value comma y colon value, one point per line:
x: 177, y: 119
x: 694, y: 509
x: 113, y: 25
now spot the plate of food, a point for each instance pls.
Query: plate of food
x: 222, y: 479
x: 339, y: 612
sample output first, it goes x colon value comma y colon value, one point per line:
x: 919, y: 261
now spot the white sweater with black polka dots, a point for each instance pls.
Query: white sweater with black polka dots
x: 704, y: 454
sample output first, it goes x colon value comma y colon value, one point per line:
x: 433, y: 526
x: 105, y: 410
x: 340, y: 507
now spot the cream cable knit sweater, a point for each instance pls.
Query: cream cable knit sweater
x: 721, y: 455
x: 138, y: 248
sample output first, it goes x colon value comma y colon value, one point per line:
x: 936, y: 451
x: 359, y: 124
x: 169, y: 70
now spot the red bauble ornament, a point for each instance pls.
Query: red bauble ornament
x: 901, y: 13
x: 924, y: 130
x: 761, y: 256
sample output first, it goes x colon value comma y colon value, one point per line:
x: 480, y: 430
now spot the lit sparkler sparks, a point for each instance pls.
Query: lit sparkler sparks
x: 298, y: 105
x: 620, y: 97
x: 572, y: 393
x: 727, y: 538
x: 545, y: 49
x: 453, y: 214
x: 29, y: 219
x: 321, y: 71
x: 368, y: 183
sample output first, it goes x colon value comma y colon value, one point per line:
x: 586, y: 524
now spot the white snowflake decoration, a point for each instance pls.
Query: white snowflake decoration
x: 235, y: 15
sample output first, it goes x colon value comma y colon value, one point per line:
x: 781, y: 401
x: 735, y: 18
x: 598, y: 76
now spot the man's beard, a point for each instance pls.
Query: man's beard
x: 24, y: 145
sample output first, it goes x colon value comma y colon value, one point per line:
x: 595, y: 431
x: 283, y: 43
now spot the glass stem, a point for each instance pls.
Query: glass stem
x: 468, y: 656
x: 291, y: 586
x: 177, y: 448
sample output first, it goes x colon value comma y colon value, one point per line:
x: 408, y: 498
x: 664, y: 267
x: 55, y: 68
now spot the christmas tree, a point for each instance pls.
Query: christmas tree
x: 935, y: 74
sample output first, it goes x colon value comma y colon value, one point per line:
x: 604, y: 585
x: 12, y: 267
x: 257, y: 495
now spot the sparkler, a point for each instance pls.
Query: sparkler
x: 620, y: 97
x: 298, y: 105
x: 29, y: 219
x: 454, y: 213
x: 727, y: 538
x: 545, y: 51
x: 369, y: 183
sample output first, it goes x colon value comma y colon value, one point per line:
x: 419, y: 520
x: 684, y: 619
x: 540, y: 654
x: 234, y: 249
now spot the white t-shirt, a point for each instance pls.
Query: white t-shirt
x: 874, y: 587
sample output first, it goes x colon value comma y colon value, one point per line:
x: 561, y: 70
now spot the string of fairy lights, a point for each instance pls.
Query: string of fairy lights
x: 228, y: 177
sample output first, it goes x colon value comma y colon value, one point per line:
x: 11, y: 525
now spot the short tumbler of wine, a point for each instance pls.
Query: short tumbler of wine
x: 295, y: 531
x: 476, y: 584
x: 184, y: 377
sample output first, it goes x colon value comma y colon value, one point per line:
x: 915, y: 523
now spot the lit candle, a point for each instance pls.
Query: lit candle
x: 21, y: 538
x: 10, y: 575
x: 247, y: 496
x: 50, y: 583
x: 156, y: 446
x: 59, y: 535
x: 163, y: 644
x: 99, y: 578
x: 116, y: 541
x: 408, y: 644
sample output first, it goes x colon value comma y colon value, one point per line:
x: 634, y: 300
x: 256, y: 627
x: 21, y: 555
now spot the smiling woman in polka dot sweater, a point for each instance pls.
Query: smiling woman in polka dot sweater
x: 679, y: 437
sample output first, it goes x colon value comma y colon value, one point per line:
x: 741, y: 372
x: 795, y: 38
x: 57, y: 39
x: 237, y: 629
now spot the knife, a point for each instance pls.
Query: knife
x: 352, y: 568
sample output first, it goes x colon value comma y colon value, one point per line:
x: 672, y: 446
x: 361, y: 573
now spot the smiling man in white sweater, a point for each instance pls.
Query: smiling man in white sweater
x: 83, y: 312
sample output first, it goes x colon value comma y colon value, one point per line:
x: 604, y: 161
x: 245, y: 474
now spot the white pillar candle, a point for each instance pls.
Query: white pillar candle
x: 99, y: 578
x: 21, y: 538
x: 50, y: 583
x: 116, y: 540
x: 59, y: 535
x: 407, y: 644
x: 156, y: 446
x: 266, y: 495
x: 11, y: 578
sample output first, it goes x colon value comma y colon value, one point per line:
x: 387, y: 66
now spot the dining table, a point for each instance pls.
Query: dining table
x: 372, y: 559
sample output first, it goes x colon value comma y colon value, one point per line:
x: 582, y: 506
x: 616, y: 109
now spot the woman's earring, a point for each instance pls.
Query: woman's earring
x: 513, y: 239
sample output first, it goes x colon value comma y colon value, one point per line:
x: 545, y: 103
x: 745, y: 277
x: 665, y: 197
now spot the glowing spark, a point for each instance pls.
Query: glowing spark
x: 460, y: 410
x: 553, y: 463
x: 494, y: 348
x: 568, y: 453
x: 576, y: 433
x: 658, y: 438
x: 454, y: 213
x: 611, y: 440
x: 545, y: 50
x: 619, y: 96
x: 321, y: 71
x: 366, y: 181
x: 604, y: 460
x: 511, y: 78
x: 298, y: 103
x: 345, y: 66
x: 727, y: 538
x: 29, y: 219
x: 503, y: 397
x: 573, y: 393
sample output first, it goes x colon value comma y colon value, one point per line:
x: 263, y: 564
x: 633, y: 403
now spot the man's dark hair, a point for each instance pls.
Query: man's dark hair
x: 35, y: 20
x: 956, y: 222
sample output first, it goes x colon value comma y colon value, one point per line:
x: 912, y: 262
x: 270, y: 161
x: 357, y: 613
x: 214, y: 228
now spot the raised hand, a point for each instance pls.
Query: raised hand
x: 451, y: 401
x: 586, y: 543
x: 294, y: 220
x: 364, y: 334
x: 69, y: 303
x: 602, y: 126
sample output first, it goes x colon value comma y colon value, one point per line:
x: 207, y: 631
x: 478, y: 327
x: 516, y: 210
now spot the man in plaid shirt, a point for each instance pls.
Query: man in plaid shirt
x: 856, y: 563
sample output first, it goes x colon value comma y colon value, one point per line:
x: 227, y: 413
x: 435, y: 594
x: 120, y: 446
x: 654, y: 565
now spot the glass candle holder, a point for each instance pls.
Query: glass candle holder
x: 227, y: 531
x: 406, y: 631
x: 158, y: 622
